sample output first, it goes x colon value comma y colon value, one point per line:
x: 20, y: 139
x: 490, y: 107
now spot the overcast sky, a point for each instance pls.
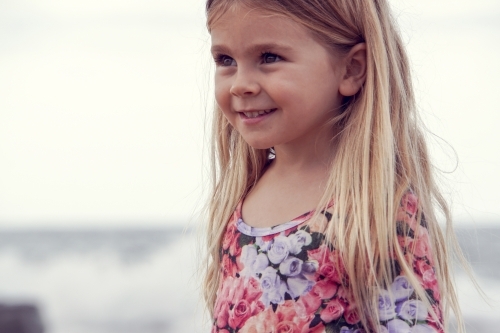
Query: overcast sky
x: 102, y: 106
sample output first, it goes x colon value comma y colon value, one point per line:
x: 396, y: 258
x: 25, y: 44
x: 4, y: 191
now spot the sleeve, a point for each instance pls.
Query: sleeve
x: 404, y: 310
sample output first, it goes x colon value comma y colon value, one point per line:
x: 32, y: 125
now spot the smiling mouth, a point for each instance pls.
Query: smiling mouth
x: 255, y: 114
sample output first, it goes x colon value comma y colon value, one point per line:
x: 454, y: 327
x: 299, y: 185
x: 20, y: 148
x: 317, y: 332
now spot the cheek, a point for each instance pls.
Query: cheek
x: 220, y: 95
x: 223, y: 100
x: 325, y: 95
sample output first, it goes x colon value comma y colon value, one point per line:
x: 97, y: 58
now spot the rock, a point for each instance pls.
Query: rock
x: 20, y: 319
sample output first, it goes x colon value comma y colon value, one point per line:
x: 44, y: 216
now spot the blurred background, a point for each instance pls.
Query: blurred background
x: 102, y: 111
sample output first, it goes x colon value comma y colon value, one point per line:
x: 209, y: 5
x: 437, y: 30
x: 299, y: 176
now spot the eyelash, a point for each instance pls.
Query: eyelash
x: 267, y: 53
x: 219, y: 58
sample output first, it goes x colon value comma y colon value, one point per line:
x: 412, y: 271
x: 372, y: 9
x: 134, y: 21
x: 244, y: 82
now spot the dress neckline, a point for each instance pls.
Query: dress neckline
x: 266, y: 231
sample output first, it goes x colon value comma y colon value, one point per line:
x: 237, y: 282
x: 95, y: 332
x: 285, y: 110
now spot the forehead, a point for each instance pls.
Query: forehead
x: 242, y: 25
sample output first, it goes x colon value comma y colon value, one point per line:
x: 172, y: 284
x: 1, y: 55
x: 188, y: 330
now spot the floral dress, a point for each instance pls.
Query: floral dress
x: 287, y: 279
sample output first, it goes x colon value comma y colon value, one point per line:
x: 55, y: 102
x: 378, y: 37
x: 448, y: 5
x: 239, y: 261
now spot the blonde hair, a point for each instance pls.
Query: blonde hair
x: 381, y: 155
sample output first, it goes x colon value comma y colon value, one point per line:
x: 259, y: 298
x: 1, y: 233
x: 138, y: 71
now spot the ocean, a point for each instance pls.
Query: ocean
x: 146, y: 281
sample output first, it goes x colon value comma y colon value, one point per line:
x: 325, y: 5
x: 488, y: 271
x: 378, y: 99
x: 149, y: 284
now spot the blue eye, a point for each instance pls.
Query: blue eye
x: 224, y: 60
x: 268, y: 57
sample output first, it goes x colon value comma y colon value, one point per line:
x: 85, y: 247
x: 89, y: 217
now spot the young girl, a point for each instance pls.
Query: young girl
x: 322, y: 213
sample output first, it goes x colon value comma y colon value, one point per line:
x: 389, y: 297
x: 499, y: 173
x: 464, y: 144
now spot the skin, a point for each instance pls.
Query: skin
x: 269, y: 62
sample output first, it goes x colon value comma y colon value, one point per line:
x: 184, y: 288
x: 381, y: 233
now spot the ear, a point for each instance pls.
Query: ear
x: 355, y: 70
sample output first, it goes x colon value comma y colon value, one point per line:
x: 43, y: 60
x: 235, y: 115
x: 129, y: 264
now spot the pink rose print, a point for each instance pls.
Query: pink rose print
x: 328, y: 270
x: 234, y: 248
x: 325, y: 289
x: 320, y: 328
x: 223, y: 315
x: 422, y: 245
x: 252, y: 290
x: 333, y: 311
x: 410, y: 203
x: 309, y: 303
x: 351, y: 315
x: 292, y: 281
x: 239, y: 290
x: 407, y: 210
x: 320, y: 254
x: 344, y: 295
x: 435, y: 322
x: 229, y: 236
x: 287, y: 311
x: 239, y: 314
x: 427, y: 276
x: 401, y: 215
x: 329, y: 263
x: 287, y: 327
x: 257, y: 307
x: 229, y: 268
x: 404, y: 242
x: 264, y: 321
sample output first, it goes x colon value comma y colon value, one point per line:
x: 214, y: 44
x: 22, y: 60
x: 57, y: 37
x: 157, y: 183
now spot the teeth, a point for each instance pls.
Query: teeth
x: 257, y: 113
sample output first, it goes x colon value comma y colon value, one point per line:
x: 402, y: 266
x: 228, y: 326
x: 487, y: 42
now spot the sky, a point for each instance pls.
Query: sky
x: 103, y: 107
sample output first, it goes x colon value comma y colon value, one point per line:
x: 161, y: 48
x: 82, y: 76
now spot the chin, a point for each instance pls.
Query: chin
x: 259, y: 144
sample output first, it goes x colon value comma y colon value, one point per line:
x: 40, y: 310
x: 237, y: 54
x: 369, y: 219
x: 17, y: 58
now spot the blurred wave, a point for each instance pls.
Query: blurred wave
x: 145, y: 281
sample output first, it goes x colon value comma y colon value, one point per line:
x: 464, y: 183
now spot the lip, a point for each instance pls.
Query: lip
x: 253, y: 116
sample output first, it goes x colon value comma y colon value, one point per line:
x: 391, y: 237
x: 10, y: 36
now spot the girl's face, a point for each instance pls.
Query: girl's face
x: 273, y: 81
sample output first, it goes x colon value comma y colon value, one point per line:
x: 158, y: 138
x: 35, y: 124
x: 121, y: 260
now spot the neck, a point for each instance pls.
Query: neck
x: 307, y: 156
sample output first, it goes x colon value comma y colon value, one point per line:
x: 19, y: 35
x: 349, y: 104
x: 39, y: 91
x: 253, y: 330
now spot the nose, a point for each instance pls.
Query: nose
x: 245, y: 84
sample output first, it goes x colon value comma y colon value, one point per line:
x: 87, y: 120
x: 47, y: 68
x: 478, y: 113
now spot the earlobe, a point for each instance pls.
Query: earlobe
x: 355, y: 70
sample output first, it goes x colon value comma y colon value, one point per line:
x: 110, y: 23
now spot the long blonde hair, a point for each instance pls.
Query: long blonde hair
x: 381, y: 155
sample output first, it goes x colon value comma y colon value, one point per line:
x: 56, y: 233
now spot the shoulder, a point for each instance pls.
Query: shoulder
x: 412, y: 231
x: 401, y: 305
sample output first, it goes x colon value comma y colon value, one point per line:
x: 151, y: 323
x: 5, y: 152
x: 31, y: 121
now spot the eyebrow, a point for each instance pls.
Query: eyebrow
x: 253, y: 48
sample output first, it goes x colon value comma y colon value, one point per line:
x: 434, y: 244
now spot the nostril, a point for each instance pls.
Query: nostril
x: 247, y: 89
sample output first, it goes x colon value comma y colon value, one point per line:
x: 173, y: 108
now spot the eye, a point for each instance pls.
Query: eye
x: 268, y: 57
x: 224, y: 60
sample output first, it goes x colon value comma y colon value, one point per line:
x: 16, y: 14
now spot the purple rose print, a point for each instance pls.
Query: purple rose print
x: 382, y: 329
x: 279, y: 250
x: 309, y: 267
x: 269, y: 280
x: 401, y: 289
x: 412, y: 309
x: 253, y: 263
x: 398, y: 326
x: 263, y: 245
x: 422, y: 329
x: 260, y: 263
x: 298, y: 240
x: 386, y: 306
x: 298, y: 286
x: 275, y: 295
x: 291, y: 266
x: 248, y: 256
x: 289, y: 278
